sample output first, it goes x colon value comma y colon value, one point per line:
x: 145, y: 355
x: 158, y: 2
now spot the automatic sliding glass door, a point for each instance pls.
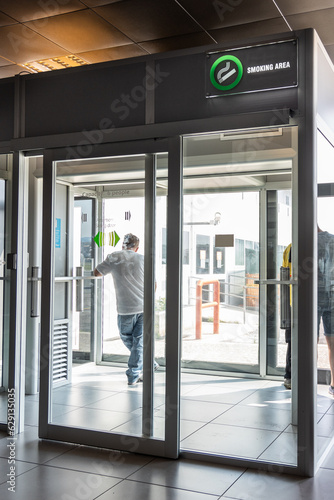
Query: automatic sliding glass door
x: 97, y: 202
x: 5, y: 242
x: 237, y: 221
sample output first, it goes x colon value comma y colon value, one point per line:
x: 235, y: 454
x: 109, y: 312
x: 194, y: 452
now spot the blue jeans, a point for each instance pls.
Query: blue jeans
x: 130, y: 328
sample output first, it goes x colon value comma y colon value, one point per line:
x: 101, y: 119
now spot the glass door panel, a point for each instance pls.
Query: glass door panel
x: 325, y: 348
x: 97, y: 203
x: 279, y: 236
x: 237, y: 220
x: 221, y: 237
x: 5, y: 242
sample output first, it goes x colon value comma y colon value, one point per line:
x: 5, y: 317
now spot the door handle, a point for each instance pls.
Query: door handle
x: 275, y: 282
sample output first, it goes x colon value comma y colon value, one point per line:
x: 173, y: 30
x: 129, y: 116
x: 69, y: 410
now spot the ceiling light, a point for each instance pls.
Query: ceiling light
x: 62, y: 62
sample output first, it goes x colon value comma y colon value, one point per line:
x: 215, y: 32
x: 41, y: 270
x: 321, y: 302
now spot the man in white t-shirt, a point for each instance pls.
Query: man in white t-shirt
x: 127, y: 270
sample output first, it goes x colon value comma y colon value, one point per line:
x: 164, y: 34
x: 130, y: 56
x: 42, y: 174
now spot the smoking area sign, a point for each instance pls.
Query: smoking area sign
x: 252, y: 69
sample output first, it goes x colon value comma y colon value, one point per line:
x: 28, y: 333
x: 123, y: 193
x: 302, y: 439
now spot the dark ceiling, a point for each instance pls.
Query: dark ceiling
x: 42, y: 34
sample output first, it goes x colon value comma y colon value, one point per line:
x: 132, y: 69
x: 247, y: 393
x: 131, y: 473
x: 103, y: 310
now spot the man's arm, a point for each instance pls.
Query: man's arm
x: 97, y: 273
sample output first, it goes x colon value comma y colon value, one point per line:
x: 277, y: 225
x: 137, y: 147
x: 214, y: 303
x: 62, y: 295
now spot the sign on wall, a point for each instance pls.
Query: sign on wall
x: 252, y: 69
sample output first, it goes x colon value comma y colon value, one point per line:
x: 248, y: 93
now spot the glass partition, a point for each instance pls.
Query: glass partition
x: 97, y: 203
x: 237, y: 222
x: 325, y: 307
x: 5, y: 241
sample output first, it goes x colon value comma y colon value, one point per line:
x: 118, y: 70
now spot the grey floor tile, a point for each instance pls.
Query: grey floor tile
x: 58, y: 410
x: 189, y: 475
x: 218, y: 394
x: 325, y: 426
x: 142, y: 491
x: 77, y: 396
x: 278, y: 398
x: 283, y: 450
x: 134, y: 427
x: 100, y: 461
x: 201, y: 411
x: 128, y: 401
x: 122, y: 402
x: 31, y: 449
x: 51, y: 483
x: 90, y: 418
x: 188, y: 427
x: 255, y: 417
x: 230, y: 440
x: 328, y: 463
x: 15, y: 468
x: 260, y: 486
x: 31, y: 410
x: 324, y: 403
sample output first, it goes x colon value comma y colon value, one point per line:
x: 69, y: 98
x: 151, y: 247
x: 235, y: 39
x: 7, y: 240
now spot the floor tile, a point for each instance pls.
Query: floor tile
x: 260, y: 485
x: 230, y: 440
x: 121, y: 402
x: 77, y: 396
x: 217, y: 394
x: 17, y: 468
x: 255, y: 417
x: 58, y: 410
x: 143, y: 491
x: 101, y: 461
x: 188, y: 427
x: 278, y: 398
x: 135, y: 427
x: 283, y: 450
x: 128, y: 401
x: 31, y: 449
x: 325, y: 426
x: 51, y: 483
x: 199, y: 411
x: 31, y: 410
x: 189, y: 475
x: 328, y: 463
x: 324, y: 403
x: 90, y: 418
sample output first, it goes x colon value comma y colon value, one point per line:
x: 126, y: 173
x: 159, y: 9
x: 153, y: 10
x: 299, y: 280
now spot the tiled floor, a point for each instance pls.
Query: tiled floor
x: 248, y: 418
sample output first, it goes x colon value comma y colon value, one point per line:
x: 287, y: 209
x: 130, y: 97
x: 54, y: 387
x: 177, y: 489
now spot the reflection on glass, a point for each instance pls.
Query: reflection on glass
x: 231, y: 413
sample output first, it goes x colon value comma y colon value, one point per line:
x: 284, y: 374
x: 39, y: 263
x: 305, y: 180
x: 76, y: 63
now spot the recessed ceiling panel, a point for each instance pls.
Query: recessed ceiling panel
x: 323, y: 24
x: 177, y: 42
x: 12, y: 70
x: 113, y: 53
x: 251, y: 30
x: 5, y: 62
x: 143, y: 20
x: 288, y: 7
x: 19, y: 44
x: 97, y: 3
x: 6, y: 20
x: 81, y: 31
x: 213, y: 15
x: 23, y: 10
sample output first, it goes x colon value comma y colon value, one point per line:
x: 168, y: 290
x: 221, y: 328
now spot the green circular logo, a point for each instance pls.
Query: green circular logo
x: 226, y: 72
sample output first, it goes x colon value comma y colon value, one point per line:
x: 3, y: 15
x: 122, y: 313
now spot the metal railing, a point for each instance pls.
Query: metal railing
x: 249, y: 296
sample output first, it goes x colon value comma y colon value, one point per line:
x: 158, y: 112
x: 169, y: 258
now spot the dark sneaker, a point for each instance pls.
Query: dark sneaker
x: 287, y: 383
x: 331, y: 390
